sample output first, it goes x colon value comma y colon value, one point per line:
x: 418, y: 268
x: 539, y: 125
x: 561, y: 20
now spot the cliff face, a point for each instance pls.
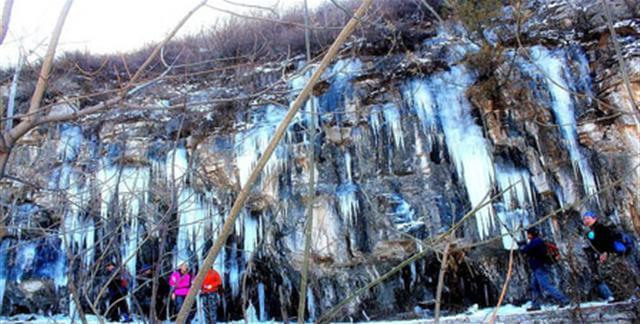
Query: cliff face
x: 407, y: 144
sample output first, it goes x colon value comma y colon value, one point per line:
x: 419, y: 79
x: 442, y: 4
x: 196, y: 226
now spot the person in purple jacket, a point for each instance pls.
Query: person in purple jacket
x: 180, y: 282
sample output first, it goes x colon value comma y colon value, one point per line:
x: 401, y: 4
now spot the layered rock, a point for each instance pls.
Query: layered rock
x: 407, y: 144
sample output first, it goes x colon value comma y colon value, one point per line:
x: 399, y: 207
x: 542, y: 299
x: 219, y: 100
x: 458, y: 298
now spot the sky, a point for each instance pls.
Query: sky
x: 109, y: 26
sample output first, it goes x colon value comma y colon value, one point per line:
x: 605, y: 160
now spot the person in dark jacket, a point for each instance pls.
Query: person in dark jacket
x: 600, y: 247
x: 612, y: 269
x: 601, y: 237
x: 144, y: 293
x: 117, y: 295
x: 536, y: 251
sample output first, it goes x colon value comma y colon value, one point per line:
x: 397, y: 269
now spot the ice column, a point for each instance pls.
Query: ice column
x: 261, y: 302
x: 4, y: 270
x: 250, y: 144
x: 465, y: 141
x: 515, y: 204
x: 553, y: 67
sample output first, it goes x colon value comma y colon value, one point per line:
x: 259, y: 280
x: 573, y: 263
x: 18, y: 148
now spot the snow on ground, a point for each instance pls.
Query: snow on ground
x: 473, y: 314
x: 61, y: 319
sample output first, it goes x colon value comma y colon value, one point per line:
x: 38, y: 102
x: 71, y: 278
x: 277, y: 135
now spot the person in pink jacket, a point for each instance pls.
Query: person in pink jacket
x: 180, y: 282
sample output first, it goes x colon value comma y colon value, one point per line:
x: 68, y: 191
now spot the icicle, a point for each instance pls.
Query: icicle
x: 414, y: 274
x: 347, y: 163
x: 251, y: 314
x: 394, y: 124
x: 191, y: 236
x: 261, y: 302
x: 131, y: 185
x: 79, y: 232
x: 177, y: 165
x: 418, y: 97
x: 343, y: 70
x: 108, y: 183
x: 296, y: 85
x: 339, y: 100
x: 341, y: 75
x: 311, y: 305
x: 251, y: 234
x: 553, y: 67
x: 374, y: 121
x: 520, y: 194
x: 24, y: 260
x: 60, y: 267
x: 513, y: 210
x: 70, y: 141
x: 465, y: 142
x: 73, y: 311
x: 234, y: 271
x: 4, y: 270
x: 421, y: 154
x: 89, y: 242
x: 251, y: 143
x: 132, y: 192
x: 584, y: 75
x: 348, y: 202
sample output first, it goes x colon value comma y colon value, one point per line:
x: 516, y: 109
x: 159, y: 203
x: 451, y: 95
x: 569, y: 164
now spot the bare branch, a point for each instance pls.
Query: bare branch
x: 6, y: 16
x: 164, y: 42
x: 272, y: 10
x: 504, y: 288
x: 433, y: 12
x: 43, y: 78
x: 312, y: 185
x: 443, y: 271
x: 277, y: 21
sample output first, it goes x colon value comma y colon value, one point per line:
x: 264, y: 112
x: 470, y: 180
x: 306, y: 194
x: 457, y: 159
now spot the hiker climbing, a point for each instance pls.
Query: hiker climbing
x: 536, y: 251
x: 615, y: 277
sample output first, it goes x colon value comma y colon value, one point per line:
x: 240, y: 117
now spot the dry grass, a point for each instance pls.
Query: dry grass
x: 237, y: 39
x: 390, y: 26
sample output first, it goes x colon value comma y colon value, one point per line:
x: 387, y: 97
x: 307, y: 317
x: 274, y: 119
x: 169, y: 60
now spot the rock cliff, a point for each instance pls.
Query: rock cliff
x: 408, y: 142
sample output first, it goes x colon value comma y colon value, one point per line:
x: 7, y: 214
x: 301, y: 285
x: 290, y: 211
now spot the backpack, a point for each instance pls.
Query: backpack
x: 624, y: 244
x: 553, y: 253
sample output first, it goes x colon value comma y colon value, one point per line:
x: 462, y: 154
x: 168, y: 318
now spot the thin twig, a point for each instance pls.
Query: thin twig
x: 312, y: 185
